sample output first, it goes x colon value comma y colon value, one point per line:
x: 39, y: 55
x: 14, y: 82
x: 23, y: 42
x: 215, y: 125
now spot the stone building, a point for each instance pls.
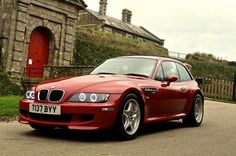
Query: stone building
x: 91, y: 18
x: 34, y: 33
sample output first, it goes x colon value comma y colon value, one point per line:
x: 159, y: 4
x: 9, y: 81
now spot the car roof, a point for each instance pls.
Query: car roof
x: 152, y: 57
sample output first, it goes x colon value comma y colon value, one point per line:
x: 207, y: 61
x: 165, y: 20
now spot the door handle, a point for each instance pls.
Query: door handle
x: 183, y: 89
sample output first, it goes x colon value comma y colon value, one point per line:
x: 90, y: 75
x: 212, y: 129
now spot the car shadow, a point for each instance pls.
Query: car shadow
x: 72, y: 135
x: 161, y: 127
x: 101, y: 136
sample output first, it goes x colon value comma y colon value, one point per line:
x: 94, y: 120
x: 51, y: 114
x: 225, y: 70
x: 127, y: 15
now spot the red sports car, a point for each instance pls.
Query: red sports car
x: 122, y: 93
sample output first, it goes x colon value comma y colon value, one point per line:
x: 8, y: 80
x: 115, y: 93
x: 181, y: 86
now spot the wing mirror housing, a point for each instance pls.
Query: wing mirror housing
x: 171, y: 78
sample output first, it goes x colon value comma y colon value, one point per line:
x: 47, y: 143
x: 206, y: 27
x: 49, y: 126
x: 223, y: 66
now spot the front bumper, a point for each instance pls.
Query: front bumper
x: 76, y: 116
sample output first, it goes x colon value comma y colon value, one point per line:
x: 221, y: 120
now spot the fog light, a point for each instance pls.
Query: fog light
x: 108, y: 109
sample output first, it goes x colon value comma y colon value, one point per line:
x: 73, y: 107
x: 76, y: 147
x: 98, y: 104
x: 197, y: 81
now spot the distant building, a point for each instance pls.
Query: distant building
x: 34, y: 33
x: 90, y: 18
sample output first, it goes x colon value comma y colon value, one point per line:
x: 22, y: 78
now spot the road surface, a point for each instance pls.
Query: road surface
x: 215, y: 137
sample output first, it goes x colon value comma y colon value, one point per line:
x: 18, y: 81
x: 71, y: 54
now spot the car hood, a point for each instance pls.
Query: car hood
x: 93, y: 83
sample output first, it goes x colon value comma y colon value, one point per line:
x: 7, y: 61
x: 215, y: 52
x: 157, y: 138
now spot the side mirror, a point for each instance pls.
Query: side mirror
x: 171, y: 78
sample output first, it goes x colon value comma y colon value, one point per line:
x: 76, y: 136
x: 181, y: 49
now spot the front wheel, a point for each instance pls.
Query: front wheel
x: 196, y: 113
x: 129, y: 119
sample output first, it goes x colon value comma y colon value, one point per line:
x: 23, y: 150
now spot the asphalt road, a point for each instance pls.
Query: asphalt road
x: 215, y: 137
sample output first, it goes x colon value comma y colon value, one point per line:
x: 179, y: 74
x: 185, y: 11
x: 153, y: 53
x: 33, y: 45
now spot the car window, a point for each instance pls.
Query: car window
x: 183, y: 73
x: 127, y: 66
x: 169, y: 68
x: 160, y: 74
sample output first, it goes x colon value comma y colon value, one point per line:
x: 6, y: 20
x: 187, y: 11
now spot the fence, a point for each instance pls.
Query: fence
x: 177, y: 55
x: 218, y: 89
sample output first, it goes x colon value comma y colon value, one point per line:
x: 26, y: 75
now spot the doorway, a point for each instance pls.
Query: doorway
x: 38, y: 52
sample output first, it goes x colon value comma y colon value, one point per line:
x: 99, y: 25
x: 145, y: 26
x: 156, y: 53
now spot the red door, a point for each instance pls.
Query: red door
x: 38, y: 53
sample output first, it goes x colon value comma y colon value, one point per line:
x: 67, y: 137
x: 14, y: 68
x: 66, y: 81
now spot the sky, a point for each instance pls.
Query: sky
x: 187, y: 26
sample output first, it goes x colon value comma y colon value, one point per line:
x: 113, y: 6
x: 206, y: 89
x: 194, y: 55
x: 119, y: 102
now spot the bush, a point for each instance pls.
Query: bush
x: 94, y: 46
x: 197, y: 56
x: 212, y: 69
x: 7, y: 87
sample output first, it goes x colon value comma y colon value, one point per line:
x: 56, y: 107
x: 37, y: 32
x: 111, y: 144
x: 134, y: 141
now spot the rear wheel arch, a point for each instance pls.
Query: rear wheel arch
x: 191, y: 98
x: 199, y: 92
x: 196, y: 113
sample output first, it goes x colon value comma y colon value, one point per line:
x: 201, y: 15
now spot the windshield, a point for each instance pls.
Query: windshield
x: 127, y: 66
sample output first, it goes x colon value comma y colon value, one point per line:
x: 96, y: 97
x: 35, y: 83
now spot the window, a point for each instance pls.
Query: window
x: 169, y: 68
x: 183, y: 73
x: 160, y: 74
x: 127, y: 65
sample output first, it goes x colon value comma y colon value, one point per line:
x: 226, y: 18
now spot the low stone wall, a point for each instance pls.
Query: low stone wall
x: 51, y: 72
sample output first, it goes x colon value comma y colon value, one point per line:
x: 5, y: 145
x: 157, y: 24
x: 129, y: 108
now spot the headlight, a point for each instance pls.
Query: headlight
x: 30, y: 95
x: 89, y: 98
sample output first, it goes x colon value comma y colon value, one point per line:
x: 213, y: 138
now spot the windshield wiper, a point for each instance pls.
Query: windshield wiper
x: 140, y: 75
x: 107, y: 73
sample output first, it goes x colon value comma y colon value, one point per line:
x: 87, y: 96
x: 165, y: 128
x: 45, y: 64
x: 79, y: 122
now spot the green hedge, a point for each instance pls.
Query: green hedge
x: 94, y: 46
x: 91, y: 53
x: 212, y: 69
x: 7, y: 87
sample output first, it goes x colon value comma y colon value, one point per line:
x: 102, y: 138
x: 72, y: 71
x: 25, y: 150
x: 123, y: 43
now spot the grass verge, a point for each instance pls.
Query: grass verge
x: 9, y: 107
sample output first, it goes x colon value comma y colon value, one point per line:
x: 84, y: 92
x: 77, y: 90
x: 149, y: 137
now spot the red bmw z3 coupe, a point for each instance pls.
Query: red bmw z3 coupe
x: 122, y: 93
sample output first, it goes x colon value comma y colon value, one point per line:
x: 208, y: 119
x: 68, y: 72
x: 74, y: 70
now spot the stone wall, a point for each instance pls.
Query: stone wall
x: 7, y: 18
x: 56, y: 15
x: 51, y: 72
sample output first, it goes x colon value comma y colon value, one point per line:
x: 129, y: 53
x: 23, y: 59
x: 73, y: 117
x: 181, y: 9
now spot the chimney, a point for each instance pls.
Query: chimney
x: 103, y: 7
x: 126, y: 15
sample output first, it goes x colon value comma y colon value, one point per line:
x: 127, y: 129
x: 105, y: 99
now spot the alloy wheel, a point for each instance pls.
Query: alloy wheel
x: 131, y: 116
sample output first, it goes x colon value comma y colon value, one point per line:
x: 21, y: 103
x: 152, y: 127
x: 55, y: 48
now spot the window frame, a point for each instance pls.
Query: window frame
x: 186, y: 69
x: 163, y: 77
x: 163, y: 71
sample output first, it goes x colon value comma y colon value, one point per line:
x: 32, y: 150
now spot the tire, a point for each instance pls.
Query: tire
x: 129, y: 119
x: 41, y: 128
x: 195, y: 116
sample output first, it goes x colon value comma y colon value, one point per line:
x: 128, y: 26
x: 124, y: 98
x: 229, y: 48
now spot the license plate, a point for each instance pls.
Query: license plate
x: 45, y: 109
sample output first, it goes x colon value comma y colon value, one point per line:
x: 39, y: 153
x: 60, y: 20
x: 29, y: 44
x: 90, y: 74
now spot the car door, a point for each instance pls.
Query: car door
x: 184, y: 84
x: 169, y: 99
